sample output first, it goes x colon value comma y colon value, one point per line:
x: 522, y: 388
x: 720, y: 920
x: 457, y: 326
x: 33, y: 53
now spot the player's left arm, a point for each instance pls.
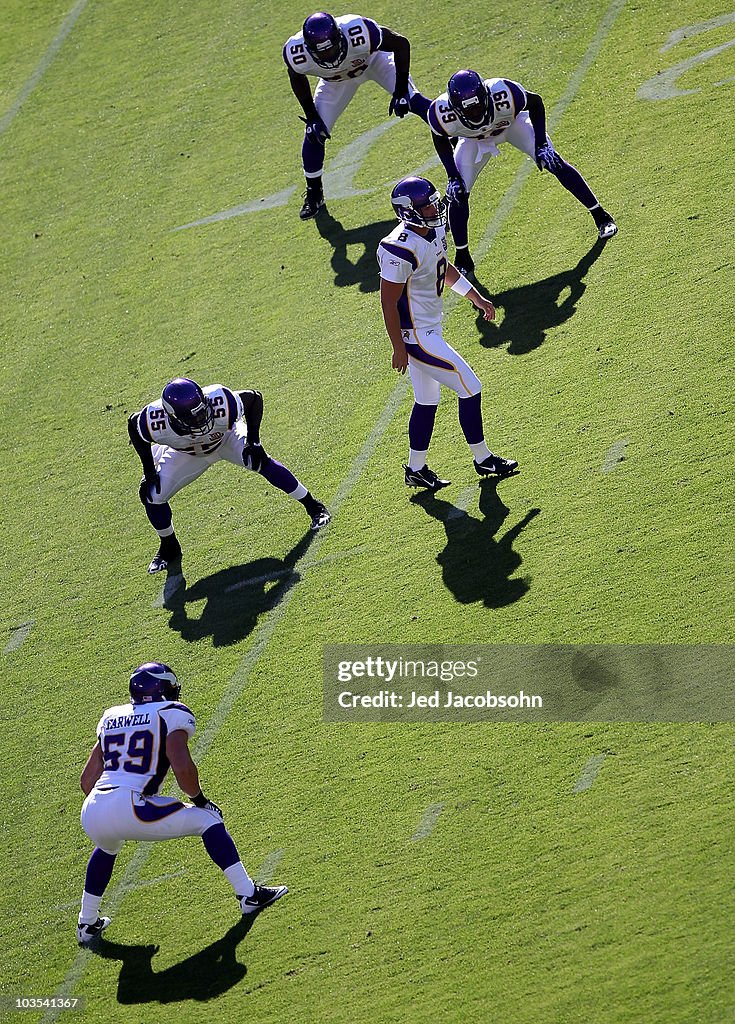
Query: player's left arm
x: 459, y: 283
x: 399, y: 46
x: 252, y: 405
x: 92, y: 769
x: 537, y: 112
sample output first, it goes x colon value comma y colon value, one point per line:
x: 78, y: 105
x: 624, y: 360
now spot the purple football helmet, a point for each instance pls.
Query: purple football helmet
x: 187, y: 406
x: 152, y: 682
x: 411, y: 195
x: 469, y: 99
x: 324, y: 40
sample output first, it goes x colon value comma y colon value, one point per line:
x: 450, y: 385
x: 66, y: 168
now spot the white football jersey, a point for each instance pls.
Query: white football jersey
x: 405, y: 257
x: 508, y: 100
x: 154, y: 424
x: 363, y: 39
x: 133, y: 742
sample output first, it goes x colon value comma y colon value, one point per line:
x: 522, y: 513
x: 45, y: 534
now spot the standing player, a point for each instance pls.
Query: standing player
x: 342, y: 53
x: 189, y: 429
x: 413, y: 271
x: 482, y: 115
x: 136, y: 745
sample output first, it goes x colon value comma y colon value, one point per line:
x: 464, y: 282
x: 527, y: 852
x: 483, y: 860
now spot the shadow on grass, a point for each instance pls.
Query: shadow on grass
x: 234, y: 598
x: 364, y: 270
x: 204, y: 975
x: 477, y: 565
x: 532, y: 309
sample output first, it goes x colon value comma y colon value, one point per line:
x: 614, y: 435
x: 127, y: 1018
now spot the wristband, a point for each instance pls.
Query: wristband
x: 199, y: 800
x: 462, y: 286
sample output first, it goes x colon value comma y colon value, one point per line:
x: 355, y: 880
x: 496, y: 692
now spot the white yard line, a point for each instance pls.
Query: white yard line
x: 66, y: 26
x: 19, y: 636
x: 615, y: 455
x: 589, y: 773
x: 267, y: 870
x: 270, y: 623
x: 428, y: 821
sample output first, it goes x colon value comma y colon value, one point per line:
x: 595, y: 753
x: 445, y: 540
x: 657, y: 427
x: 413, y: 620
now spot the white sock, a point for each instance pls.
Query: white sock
x: 239, y: 879
x: 168, y: 532
x: 90, y: 908
x: 480, y: 451
x: 298, y: 493
x: 416, y: 460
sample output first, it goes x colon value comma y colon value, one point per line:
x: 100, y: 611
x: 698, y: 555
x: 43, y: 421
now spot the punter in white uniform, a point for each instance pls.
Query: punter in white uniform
x: 413, y: 271
x: 186, y: 431
x: 342, y: 53
x: 482, y: 115
x: 136, y: 745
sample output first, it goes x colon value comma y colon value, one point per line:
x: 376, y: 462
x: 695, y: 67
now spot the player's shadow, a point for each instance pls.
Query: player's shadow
x: 477, y: 565
x: 530, y: 310
x: 234, y: 598
x: 363, y: 269
x: 202, y: 976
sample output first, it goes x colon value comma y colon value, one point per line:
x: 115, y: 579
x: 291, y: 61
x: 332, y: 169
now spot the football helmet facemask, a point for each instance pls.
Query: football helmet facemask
x: 153, y: 682
x: 325, y: 42
x: 411, y: 196
x: 470, y: 99
x: 187, y: 406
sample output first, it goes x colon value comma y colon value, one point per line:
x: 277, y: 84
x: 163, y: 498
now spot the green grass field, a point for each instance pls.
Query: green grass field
x: 531, y: 899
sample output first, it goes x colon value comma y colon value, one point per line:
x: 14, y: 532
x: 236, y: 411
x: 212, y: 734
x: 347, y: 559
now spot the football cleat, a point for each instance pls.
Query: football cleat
x: 424, y: 477
x: 87, y: 933
x: 463, y: 262
x: 263, y: 896
x: 320, y: 516
x: 167, y: 555
x: 313, y: 203
x: 496, y: 465
x: 607, y: 229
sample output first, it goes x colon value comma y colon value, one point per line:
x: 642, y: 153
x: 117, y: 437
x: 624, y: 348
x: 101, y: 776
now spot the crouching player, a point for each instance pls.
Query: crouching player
x: 186, y: 431
x: 136, y: 744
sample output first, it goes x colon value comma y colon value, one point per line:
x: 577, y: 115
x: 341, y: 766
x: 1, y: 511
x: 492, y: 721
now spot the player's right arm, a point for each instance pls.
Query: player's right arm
x: 92, y: 769
x: 440, y: 138
x: 183, y: 767
x: 301, y: 90
x: 136, y: 423
x: 390, y: 293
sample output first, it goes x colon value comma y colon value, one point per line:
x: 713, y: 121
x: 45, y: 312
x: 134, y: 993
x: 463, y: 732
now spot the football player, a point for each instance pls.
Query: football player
x: 413, y: 271
x: 468, y: 123
x: 136, y: 745
x: 342, y: 53
x: 189, y: 429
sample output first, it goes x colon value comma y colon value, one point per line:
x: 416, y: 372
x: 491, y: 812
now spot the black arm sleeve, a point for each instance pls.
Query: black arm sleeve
x: 142, y: 447
x: 302, y: 91
x: 400, y: 47
x: 537, y: 113
x: 444, y: 150
x: 252, y: 403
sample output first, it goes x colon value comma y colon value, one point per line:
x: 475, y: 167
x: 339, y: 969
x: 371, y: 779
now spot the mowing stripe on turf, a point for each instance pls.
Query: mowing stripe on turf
x: 589, y: 773
x: 66, y: 26
x: 615, y: 455
x: 270, y: 623
x: 19, y: 636
x: 428, y: 821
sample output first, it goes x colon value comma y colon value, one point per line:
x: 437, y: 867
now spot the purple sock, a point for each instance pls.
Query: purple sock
x: 277, y: 474
x: 421, y: 426
x: 99, y: 872
x: 159, y: 516
x: 220, y: 846
x: 459, y: 215
x: 573, y: 182
x: 470, y: 418
x: 312, y: 156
